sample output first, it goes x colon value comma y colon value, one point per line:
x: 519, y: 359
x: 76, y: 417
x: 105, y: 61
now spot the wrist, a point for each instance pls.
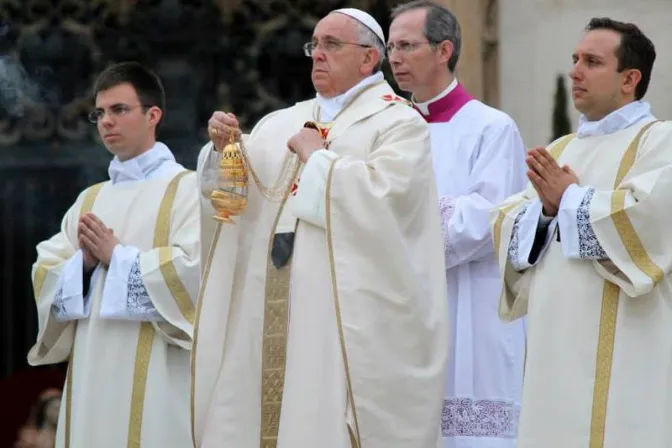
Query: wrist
x: 549, y: 211
x: 108, y: 257
x: 306, y: 155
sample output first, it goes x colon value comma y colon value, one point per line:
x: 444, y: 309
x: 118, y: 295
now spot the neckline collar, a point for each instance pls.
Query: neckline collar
x: 617, y: 120
x: 445, y: 105
x: 140, y: 167
x: 330, y: 107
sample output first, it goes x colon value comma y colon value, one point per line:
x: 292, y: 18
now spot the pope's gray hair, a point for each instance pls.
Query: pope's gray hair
x: 368, y: 37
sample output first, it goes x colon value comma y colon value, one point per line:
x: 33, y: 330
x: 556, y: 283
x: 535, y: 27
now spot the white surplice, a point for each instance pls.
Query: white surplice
x: 479, y: 159
x: 126, y: 329
x: 595, y: 284
x: 366, y: 334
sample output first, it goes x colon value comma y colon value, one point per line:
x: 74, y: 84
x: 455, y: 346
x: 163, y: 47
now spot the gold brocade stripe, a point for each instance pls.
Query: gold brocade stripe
x: 174, y: 284
x: 40, y: 276
x: 146, y: 333
x: 87, y: 206
x: 559, y: 148
x: 274, y: 340
x: 199, y: 302
x: 610, y: 296
x: 630, y: 155
x: 355, y: 437
x: 143, y: 355
x: 633, y: 245
x: 626, y: 231
x: 161, y: 238
x: 605, y: 352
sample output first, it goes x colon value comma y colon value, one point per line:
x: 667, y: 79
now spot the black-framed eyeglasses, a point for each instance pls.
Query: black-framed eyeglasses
x: 328, y: 46
x: 116, y: 110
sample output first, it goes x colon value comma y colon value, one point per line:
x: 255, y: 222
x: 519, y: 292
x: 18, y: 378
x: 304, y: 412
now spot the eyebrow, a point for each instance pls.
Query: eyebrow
x: 112, y: 105
x: 328, y: 36
x: 587, y: 54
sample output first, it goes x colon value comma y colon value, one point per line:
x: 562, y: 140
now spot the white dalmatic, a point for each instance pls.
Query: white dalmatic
x: 595, y: 284
x: 479, y: 159
x: 127, y: 329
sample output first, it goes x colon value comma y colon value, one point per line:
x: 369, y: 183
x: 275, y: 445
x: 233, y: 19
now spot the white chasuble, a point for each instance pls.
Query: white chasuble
x: 358, y: 359
x: 597, y: 292
x: 479, y: 160
x: 128, y: 375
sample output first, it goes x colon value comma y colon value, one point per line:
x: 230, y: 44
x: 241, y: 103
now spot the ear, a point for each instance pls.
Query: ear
x: 445, y: 49
x: 370, y: 59
x: 154, y: 114
x: 631, y: 80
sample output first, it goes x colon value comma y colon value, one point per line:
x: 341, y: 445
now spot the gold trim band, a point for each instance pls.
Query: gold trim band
x: 355, y: 437
x: 610, y: 297
x: 274, y: 339
x: 143, y: 351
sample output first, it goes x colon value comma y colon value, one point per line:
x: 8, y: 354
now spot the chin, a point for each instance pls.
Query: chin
x: 580, y: 105
x: 116, y: 150
x: 322, y: 88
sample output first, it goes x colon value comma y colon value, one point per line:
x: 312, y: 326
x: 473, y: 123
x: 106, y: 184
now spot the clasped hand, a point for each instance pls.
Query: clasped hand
x: 96, y: 240
x: 549, y: 179
x: 306, y: 142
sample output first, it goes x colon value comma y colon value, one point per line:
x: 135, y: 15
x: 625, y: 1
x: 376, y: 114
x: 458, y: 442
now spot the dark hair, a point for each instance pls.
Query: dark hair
x: 636, y: 51
x: 440, y: 25
x: 146, y: 83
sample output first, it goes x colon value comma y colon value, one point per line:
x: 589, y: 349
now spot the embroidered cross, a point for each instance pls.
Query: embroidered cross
x: 396, y: 98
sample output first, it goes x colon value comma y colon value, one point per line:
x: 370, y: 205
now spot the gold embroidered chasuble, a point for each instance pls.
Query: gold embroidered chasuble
x: 346, y: 344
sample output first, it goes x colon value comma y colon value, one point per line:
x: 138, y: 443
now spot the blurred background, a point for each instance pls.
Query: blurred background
x: 243, y: 56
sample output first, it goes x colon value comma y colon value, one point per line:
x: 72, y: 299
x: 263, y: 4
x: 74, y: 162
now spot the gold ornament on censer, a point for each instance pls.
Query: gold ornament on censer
x: 229, y: 195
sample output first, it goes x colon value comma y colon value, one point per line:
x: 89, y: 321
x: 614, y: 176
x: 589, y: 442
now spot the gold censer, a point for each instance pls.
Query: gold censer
x: 229, y: 198
x: 229, y: 194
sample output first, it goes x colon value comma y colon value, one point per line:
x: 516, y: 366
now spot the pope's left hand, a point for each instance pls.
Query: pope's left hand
x: 306, y: 142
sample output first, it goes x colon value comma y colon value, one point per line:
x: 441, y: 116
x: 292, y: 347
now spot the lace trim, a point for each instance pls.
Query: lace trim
x: 589, y: 246
x: 138, y: 302
x: 447, y: 209
x: 59, y: 306
x: 515, y: 241
x: 465, y: 417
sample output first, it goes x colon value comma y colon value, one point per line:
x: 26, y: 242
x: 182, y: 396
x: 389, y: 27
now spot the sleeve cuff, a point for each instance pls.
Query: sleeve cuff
x: 124, y: 295
x: 68, y: 302
x: 568, y: 219
x: 525, y: 232
x: 308, y: 204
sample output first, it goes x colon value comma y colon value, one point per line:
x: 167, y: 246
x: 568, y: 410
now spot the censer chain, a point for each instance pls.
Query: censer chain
x: 277, y: 192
